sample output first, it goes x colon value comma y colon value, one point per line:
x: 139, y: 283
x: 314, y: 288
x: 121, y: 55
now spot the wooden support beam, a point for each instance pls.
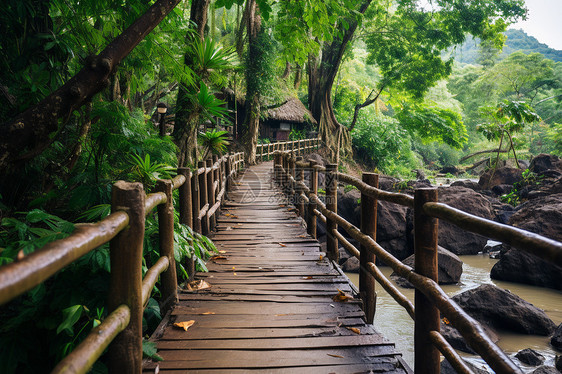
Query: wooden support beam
x: 332, y: 205
x: 368, y: 227
x: 168, y: 279
x: 125, y: 353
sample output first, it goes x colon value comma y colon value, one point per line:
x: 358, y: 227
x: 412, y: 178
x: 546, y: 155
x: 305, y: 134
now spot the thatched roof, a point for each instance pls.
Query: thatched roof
x: 291, y: 111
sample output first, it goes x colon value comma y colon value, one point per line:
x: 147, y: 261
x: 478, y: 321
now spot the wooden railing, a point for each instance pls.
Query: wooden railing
x: 266, y: 151
x: 430, y: 299
x: 200, y: 195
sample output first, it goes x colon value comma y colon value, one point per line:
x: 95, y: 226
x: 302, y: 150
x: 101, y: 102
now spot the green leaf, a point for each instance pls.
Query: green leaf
x: 71, y: 315
x: 149, y: 350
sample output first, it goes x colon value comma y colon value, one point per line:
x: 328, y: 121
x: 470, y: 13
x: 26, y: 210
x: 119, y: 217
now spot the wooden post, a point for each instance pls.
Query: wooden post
x: 292, y: 173
x: 227, y: 170
x: 196, y: 202
x: 331, y: 204
x: 426, y: 359
x: 168, y: 279
x: 125, y: 352
x: 211, y: 193
x: 299, y: 177
x: 368, y: 227
x: 186, y: 213
x: 311, y: 218
x: 203, y: 196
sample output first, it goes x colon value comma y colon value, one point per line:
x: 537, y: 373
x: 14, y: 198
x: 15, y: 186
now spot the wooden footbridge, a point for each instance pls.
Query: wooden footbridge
x: 271, y: 301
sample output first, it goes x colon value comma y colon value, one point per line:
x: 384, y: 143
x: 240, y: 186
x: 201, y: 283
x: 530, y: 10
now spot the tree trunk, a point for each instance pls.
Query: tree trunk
x: 250, y: 140
x: 31, y: 129
x: 322, y: 72
x: 187, y: 117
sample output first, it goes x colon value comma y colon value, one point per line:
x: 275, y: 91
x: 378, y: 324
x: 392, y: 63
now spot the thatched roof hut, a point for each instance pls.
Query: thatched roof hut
x: 293, y: 110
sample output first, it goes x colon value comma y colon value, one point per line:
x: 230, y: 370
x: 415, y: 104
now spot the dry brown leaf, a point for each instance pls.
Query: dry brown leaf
x: 309, y: 277
x: 217, y: 257
x: 337, y: 356
x: 282, y: 205
x: 341, y: 297
x: 354, y: 329
x: 235, y: 274
x: 222, y: 251
x: 228, y: 228
x: 197, y: 285
x: 240, y: 224
x: 282, y: 245
x: 185, y: 324
x: 302, y: 236
x: 320, y: 258
x: 207, y: 313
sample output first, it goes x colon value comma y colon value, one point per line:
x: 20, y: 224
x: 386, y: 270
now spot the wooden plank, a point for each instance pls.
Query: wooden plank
x: 389, y: 368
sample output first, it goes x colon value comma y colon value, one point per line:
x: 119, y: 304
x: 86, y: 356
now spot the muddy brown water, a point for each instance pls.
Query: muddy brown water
x: 393, y: 321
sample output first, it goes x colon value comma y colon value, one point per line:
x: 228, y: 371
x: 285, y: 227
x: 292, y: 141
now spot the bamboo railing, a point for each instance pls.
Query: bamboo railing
x: 431, y: 301
x: 201, y: 193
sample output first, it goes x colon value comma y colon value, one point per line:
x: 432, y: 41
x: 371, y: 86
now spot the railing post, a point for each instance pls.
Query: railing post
x: 196, y: 201
x: 311, y: 218
x: 186, y: 192
x: 299, y: 177
x: 186, y: 209
x: 211, y: 193
x: 168, y: 279
x: 368, y: 227
x: 427, y: 315
x: 331, y: 204
x: 125, y: 352
x: 203, y: 196
x: 227, y: 170
x: 292, y: 173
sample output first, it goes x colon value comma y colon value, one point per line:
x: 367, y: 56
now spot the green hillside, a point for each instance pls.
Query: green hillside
x: 517, y: 40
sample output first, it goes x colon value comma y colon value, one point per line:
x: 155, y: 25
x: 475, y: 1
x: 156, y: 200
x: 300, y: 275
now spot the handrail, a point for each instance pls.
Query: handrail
x: 130, y: 206
x: 267, y: 150
x: 288, y: 173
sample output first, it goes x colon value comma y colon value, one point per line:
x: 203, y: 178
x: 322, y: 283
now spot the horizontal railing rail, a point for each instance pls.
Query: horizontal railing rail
x: 129, y: 293
x: 265, y: 151
x: 430, y: 299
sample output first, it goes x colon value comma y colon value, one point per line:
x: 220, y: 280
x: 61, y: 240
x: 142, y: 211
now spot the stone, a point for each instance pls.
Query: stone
x: 467, y: 183
x: 502, y: 189
x: 556, y: 340
x: 457, y: 240
x: 351, y: 265
x: 546, y: 370
x: 558, y: 363
x: 542, y: 216
x: 450, y: 170
x: 393, y: 228
x: 447, y: 368
x: 492, y: 246
x: 530, y: 357
x: 500, y: 309
x: 455, y: 339
x: 503, y: 175
x: 449, y: 268
x: 544, y: 162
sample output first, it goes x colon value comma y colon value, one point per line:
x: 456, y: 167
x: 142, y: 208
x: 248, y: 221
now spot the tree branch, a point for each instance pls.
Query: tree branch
x: 29, y: 130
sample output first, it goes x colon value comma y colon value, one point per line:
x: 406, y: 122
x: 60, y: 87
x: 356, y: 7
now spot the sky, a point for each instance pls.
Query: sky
x: 543, y: 22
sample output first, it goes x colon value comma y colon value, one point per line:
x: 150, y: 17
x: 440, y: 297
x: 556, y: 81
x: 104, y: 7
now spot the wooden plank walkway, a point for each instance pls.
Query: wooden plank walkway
x: 270, y: 307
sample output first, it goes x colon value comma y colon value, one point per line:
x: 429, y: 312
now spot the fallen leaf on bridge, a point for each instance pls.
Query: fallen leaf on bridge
x: 184, y: 325
x: 197, y: 285
x: 337, y: 356
x: 309, y: 277
x: 354, y: 329
x: 207, y: 313
x: 341, y: 297
x: 217, y: 257
x: 222, y: 251
x: 282, y: 245
x: 228, y: 228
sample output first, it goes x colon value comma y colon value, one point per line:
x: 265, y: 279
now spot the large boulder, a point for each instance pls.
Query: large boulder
x: 543, y: 216
x: 544, y: 162
x: 447, y: 368
x: 454, y: 239
x: 545, y: 370
x: 468, y: 184
x: 556, y: 340
x: 530, y: 357
x: 393, y: 228
x: 455, y: 339
x: 500, y: 309
x: 503, y: 175
x: 449, y: 268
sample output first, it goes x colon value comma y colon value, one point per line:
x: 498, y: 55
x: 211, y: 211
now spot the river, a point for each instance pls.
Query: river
x: 394, y: 323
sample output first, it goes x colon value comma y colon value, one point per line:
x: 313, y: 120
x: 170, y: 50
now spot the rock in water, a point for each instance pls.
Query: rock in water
x: 530, y: 357
x: 546, y: 370
x: 457, y: 240
x: 500, y: 309
x: 543, y: 216
x: 449, y: 270
x: 556, y: 339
